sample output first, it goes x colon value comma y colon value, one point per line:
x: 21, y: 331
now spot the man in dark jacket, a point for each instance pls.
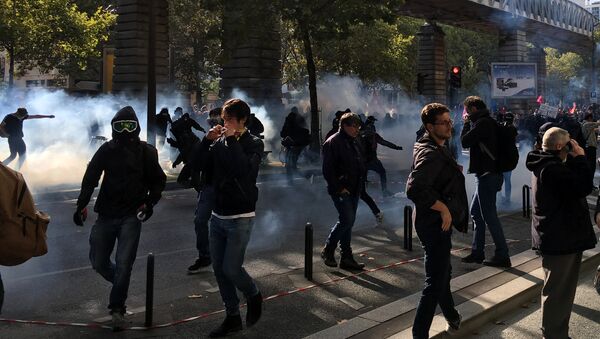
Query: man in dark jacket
x: 132, y: 185
x: 344, y: 170
x: 437, y: 187
x: 561, y: 228
x: 371, y: 139
x: 231, y: 160
x: 295, y: 136
x: 13, y: 126
x: 163, y: 119
x: 480, y: 136
x: 185, y: 140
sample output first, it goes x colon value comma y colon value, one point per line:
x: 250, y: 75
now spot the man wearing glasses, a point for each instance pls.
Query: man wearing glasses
x: 480, y: 136
x: 132, y: 185
x: 344, y: 170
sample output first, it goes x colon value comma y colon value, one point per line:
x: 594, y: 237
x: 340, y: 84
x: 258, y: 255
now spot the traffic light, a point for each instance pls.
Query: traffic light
x: 455, y: 77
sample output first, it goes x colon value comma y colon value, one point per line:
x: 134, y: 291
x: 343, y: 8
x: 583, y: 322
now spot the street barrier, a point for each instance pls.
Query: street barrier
x: 408, y: 226
x: 308, y: 251
x: 526, y: 201
x: 149, y: 289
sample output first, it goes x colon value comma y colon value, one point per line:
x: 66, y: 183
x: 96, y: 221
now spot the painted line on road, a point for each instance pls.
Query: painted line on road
x: 207, y: 314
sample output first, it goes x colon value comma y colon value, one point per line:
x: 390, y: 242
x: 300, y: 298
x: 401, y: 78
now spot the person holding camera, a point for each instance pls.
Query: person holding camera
x: 231, y: 159
x: 133, y: 183
x: 561, y: 227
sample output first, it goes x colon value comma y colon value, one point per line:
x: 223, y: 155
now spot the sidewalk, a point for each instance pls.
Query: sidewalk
x: 525, y: 321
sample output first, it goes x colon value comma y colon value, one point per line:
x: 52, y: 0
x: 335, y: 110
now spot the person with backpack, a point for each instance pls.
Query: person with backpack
x: 480, y: 135
x: 436, y: 185
x: 132, y: 185
x: 12, y: 125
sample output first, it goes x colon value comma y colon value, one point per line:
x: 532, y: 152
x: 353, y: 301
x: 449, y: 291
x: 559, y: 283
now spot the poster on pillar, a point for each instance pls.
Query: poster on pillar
x: 514, y: 80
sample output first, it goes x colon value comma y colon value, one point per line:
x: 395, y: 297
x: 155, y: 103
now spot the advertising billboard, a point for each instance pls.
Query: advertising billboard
x: 514, y: 80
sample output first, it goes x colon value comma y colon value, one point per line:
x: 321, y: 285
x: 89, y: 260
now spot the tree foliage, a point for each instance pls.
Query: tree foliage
x: 565, y: 74
x: 51, y: 33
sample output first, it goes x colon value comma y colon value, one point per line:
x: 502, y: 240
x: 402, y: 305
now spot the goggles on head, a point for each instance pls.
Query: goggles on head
x: 125, y: 126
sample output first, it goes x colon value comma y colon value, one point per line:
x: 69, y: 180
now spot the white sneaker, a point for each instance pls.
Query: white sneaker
x: 118, y: 322
x: 379, y: 218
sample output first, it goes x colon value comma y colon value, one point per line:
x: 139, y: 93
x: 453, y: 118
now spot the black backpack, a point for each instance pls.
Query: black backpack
x: 508, y: 153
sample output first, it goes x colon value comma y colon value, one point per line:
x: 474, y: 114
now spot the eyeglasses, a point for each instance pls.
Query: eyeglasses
x: 125, y: 125
x: 445, y: 123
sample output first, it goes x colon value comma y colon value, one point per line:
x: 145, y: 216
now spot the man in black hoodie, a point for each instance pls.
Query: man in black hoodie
x: 561, y: 228
x: 231, y: 158
x: 480, y: 136
x: 437, y: 187
x: 344, y: 170
x: 132, y: 185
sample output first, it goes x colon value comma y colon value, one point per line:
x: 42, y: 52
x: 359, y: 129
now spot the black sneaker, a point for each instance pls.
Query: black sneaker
x: 348, y: 263
x: 200, y: 265
x: 498, y: 262
x: 471, y: 258
x: 254, y: 305
x: 231, y: 324
x: 453, y: 326
x: 328, y: 258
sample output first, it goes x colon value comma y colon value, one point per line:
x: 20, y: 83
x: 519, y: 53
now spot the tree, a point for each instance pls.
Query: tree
x: 51, y: 34
x: 195, y: 33
x: 565, y: 73
x: 326, y: 20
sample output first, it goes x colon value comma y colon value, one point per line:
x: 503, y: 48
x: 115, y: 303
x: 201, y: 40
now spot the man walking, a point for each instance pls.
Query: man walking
x: 13, y: 126
x: 480, y: 136
x: 231, y: 160
x: 561, y: 228
x: 295, y: 137
x: 344, y: 170
x: 437, y: 187
x: 132, y: 185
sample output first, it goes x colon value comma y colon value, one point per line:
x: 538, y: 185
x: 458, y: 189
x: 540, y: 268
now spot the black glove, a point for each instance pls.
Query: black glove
x: 80, y: 216
x: 399, y: 148
x: 145, y: 212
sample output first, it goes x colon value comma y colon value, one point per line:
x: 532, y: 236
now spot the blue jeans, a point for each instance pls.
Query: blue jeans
x: 105, y: 232
x: 228, y: 242
x: 206, y: 203
x: 341, y: 232
x: 438, y: 272
x: 483, y: 212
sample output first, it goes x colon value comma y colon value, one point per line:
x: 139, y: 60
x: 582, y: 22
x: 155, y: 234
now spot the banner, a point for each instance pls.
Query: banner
x: 514, y: 80
x: 548, y: 111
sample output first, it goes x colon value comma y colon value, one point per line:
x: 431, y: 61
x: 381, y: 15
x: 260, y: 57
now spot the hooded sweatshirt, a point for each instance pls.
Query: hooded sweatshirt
x: 561, y: 219
x: 132, y: 175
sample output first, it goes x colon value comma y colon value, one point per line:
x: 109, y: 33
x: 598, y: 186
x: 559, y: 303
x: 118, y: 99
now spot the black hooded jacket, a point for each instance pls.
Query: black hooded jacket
x: 435, y: 175
x: 132, y: 175
x: 561, y: 219
x: 480, y: 132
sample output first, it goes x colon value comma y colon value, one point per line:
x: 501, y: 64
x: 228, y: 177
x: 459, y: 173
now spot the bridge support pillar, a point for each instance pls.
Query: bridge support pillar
x: 538, y: 55
x: 513, y: 48
x: 432, y: 63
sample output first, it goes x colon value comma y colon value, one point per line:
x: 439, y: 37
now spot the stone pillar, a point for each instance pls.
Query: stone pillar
x: 432, y: 63
x: 513, y: 48
x: 252, y: 49
x: 538, y: 55
x: 131, y: 45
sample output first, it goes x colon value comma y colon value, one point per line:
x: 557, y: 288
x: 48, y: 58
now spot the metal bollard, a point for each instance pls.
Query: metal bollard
x: 526, y: 201
x: 308, y: 251
x: 408, y: 226
x: 149, y: 289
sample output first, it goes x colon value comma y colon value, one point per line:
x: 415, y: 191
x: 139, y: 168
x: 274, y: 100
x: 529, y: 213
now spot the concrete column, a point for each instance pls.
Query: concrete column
x: 252, y: 50
x: 538, y: 55
x: 131, y: 45
x: 513, y: 48
x: 432, y: 63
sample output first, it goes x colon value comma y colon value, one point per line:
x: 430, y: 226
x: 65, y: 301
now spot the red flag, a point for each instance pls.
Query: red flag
x: 540, y: 100
x: 572, y: 110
